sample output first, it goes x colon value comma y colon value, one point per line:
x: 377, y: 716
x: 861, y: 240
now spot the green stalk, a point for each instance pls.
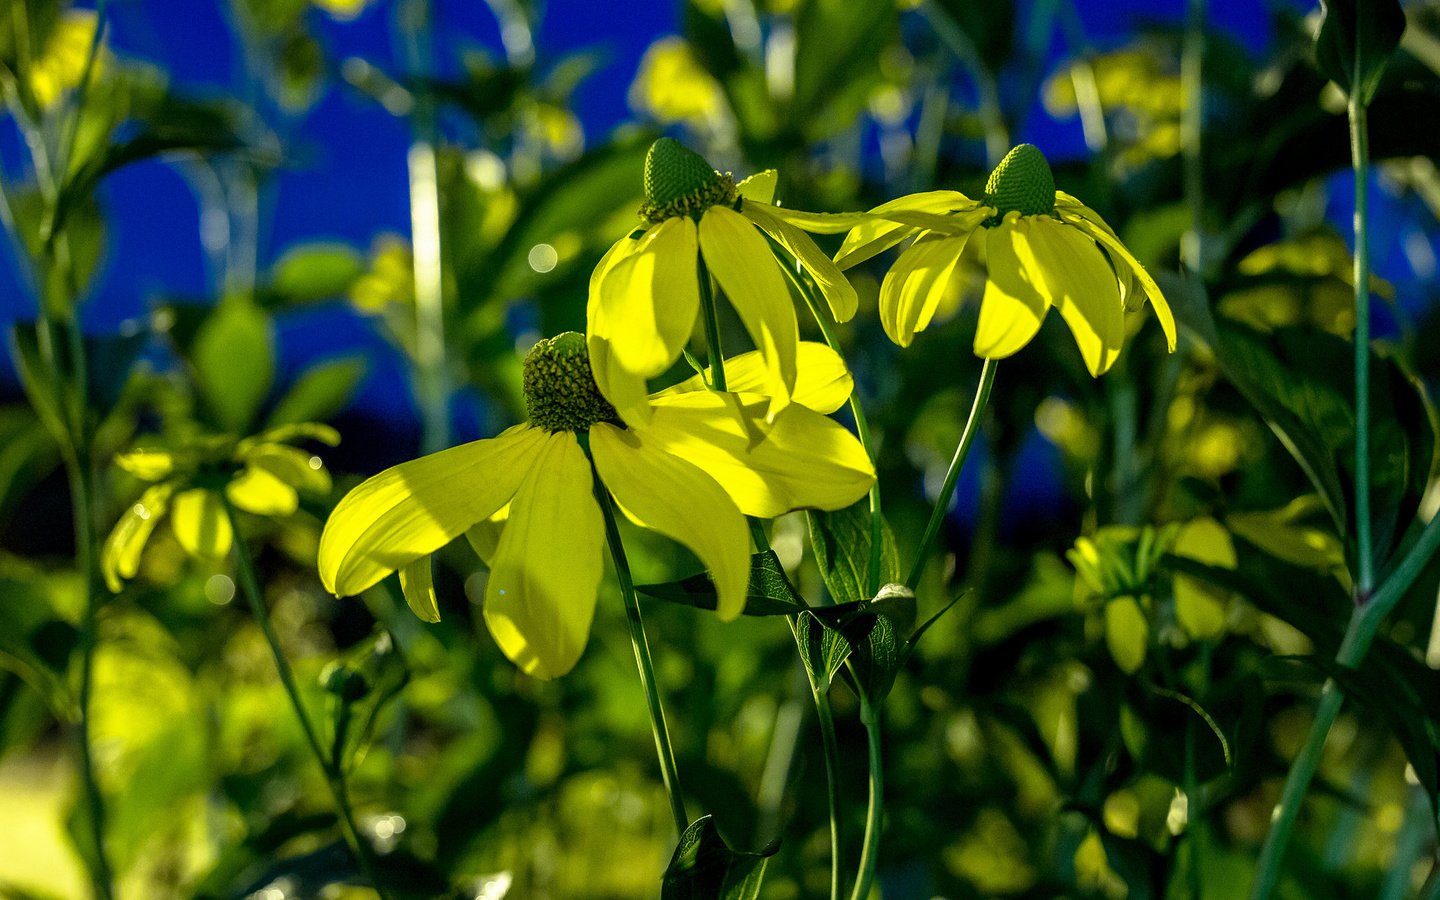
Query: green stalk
x: 1359, y: 634
x: 1360, y: 162
x: 832, y: 784
x: 874, y: 808
x: 962, y: 450
x: 711, y: 316
x: 669, y: 772
x: 862, y: 431
x: 334, y: 774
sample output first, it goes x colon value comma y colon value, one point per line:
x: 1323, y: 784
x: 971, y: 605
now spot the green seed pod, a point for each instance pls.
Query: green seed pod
x: 560, y: 390
x: 1022, y: 183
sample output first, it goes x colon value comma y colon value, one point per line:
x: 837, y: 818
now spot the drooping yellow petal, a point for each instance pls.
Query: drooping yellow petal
x: 415, y: 508
x: 1075, y: 213
x: 1013, y: 306
x: 801, y: 460
x: 541, y: 595
x: 147, y: 463
x: 647, y: 302
x: 484, y: 535
x: 625, y: 390
x: 297, y: 468
x: 288, y: 433
x: 880, y: 231
x: 258, y: 491
x: 916, y: 284
x: 838, y: 292
x: 417, y: 583
x: 818, y: 223
x: 759, y: 187
x: 749, y: 274
x: 120, y: 558
x: 200, y: 524
x: 1076, y: 279
x: 618, y: 251
x: 822, y: 382
x: 667, y: 494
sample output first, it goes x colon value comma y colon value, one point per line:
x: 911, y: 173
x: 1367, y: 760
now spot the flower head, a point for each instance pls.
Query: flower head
x: 645, y: 293
x: 689, y: 474
x: 1041, y: 247
x: 262, y: 475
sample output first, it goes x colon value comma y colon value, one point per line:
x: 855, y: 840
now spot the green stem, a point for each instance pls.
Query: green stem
x: 1192, y: 87
x: 862, y: 431
x: 711, y: 316
x: 874, y: 808
x: 962, y: 450
x: 1360, y: 162
x: 334, y: 774
x: 669, y: 772
x: 832, y: 785
x: 1364, y: 625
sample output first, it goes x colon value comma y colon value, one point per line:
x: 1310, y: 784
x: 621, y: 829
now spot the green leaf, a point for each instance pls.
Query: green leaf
x: 234, y: 361
x: 1127, y: 633
x: 841, y: 540
x: 837, y: 61
x: 873, y: 630
x: 361, y: 685
x: 705, y: 868
x: 823, y: 650
x: 312, y: 272
x: 320, y: 393
x: 1355, y: 42
x: 43, y: 392
x: 35, y: 642
x: 769, y: 592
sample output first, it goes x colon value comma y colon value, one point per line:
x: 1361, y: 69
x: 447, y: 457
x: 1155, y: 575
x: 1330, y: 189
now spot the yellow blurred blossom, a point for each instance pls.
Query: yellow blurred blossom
x: 61, y: 66
x: 672, y: 86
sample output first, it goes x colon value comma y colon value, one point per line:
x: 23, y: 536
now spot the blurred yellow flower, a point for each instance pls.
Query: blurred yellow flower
x: 342, y: 9
x: 390, y: 278
x: 262, y: 475
x: 61, y: 66
x: 1139, y: 96
x: 645, y: 293
x: 1041, y: 247
x: 690, y: 474
x: 672, y: 86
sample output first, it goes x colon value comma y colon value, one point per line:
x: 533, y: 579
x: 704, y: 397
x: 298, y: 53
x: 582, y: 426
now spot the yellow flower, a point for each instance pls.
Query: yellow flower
x: 645, y: 293
x: 690, y: 474
x: 260, y: 474
x: 61, y: 66
x: 673, y: 86
x: 1042, y: 248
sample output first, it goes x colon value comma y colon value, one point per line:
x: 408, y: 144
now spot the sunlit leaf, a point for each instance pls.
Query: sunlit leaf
x: 841, y: 540
x: 234, y: 359
x: 1355, y: 42
x: 705, y: 868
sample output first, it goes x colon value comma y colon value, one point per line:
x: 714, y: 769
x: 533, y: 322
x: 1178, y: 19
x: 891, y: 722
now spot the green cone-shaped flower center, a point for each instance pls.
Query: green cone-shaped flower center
x: 1022, y: 183
x: 679, y: 182
x: 560, y: 391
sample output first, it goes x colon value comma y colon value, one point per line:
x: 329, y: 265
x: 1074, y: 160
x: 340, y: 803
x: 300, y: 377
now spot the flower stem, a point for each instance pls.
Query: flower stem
x: 669, y: 773
x: 1364, y: 624
x: 874, y: 808
x: 334, y: 773
x: 1360, y: 162
x: 862, y: 431
x: 832, y: 784
x: 962, y: 450
x: 712, y: 328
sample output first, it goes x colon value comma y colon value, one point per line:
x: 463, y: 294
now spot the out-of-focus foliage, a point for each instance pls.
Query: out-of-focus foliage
x: 1147, y: 575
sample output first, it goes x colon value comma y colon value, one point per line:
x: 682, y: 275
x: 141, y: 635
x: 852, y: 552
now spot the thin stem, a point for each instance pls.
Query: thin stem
x: 1360, y: 162
x: 962, y: 450
x: 1364, y: 624
x: 874, y: 808
x: 334, y: 774
x: 832, y: 785
x: 711, y: 316
x: 669, y: 772
x: 1192, y: 86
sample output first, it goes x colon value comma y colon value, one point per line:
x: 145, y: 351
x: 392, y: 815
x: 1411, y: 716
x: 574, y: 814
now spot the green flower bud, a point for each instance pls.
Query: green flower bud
x: 679, y: 182
x: 560, y: 391
x: 1022, y: 183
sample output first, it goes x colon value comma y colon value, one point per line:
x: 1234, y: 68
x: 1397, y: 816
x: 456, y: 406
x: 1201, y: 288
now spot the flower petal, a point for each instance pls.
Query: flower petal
x: 817, y: 223
x: 417, y: 583
x: 915, y: 285
x: 625, y: 390
x: 837, y: 290
x: 664, y: 493
x: 1087, y: 220
x: 541, y: 595
x: 484, y: 535
x: 1075, y: 277
x: 415, y: 508
x: 291, y: 465
x: 120, y: 558
x: 1013, y: 305
x: 749, y: 274
x: 802, y: 460
x: 822, y: 382
x: 200, y: 524
x: 258, y: 491
x: 759, y: 187
x: 647, y: 303
x: 147, y: 463
x: 878, y: 232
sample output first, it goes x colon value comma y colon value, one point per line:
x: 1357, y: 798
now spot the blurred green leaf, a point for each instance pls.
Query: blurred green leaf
x: 1127, y: 633
x: 768, y: 594
x: 837, y: 61
x: 841, y: 540
x: 705, y: 868
x: 1355, y: 42
x: 312, y: 272
x: 234, y: 359
x: 322, y: 392
x: 41, y: 389
x: 36, y: 643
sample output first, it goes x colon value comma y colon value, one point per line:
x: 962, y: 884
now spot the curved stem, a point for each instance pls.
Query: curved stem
x: 334, y: 774
x: 874, y: 809
x: 669, y: 772
x: 962, y: 450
